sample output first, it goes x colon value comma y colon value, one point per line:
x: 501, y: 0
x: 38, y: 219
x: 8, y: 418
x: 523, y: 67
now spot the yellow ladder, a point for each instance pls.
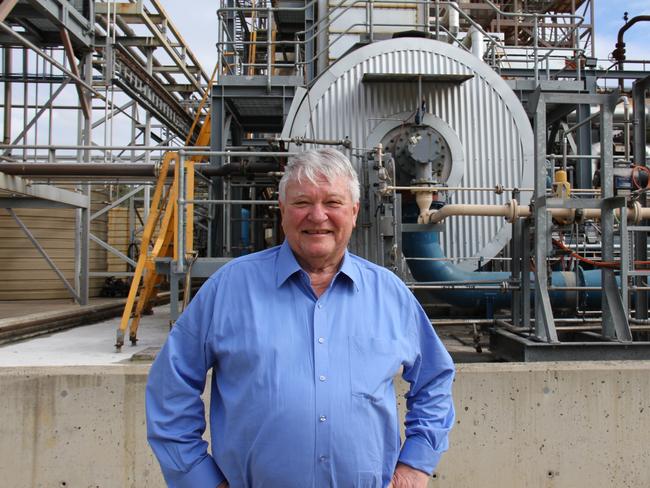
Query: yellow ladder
x: 145, y: 278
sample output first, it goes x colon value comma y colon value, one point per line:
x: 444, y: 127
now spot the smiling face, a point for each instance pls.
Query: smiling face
x: 318, y: 221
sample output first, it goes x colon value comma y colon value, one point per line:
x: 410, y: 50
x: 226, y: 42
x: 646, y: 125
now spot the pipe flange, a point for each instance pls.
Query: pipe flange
x: 156, y: 168
x: 513, y: 211
x: 636, y: 212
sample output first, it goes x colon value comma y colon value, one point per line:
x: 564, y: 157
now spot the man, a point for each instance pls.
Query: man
x: 303, y: 340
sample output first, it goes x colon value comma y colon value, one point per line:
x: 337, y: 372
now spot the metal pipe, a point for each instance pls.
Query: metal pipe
x: 233, y: 202
x: 619, y: 53
x: 511, y: 211
x: 189, y: 150
x: 496, y: 189
x: 141, y: 170
x: 6, y: 135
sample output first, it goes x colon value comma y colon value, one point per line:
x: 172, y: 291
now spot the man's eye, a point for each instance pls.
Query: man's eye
x: 334, y: 203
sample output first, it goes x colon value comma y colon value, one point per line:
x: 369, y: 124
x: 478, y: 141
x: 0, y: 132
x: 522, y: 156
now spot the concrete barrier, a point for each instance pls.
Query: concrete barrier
x: 545, y: 425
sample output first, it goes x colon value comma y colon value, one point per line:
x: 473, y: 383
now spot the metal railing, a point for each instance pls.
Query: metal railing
x: 555, y: 38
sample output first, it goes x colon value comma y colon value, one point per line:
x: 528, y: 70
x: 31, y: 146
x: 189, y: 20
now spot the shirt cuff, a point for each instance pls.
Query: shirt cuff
x: 205, y: 474
x: 419, y: 455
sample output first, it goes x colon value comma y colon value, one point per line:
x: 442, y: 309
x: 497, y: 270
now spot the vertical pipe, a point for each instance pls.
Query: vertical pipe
x: 626, y: 127
x: 515, y: 270
x: 592, y: 21
x: 228, y: 218
x: 525, y: 271
x: 219, y: 48
x: 6, y: 135
x: 437, y: 20
x: 25, y: 98
x: 180, y: 215
x: 371, y: 28
x: 50, y: 114
x: 322, y: 37
x: 147, y: 115
x: 640, y: 238
x: 536, y: 48
x: 476, y: 37
x: 269, y: 47
x: 454, y: 20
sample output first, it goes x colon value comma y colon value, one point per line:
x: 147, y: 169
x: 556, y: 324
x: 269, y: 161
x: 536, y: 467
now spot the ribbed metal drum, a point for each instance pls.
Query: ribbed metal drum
x: 484, y: 122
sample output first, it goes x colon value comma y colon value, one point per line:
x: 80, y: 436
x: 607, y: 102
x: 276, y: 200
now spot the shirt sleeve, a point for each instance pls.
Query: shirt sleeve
x: 430, y: 409
x: 174, y: 408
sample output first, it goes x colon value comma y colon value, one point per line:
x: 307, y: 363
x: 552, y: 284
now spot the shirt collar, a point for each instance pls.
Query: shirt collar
x: 287, y: 265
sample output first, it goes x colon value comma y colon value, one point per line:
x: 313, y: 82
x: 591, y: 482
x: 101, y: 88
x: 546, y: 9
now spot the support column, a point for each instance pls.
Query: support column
x: 544, y: 322
x: 82, y: 263
x: 615, y: 322
x: 639, y: 91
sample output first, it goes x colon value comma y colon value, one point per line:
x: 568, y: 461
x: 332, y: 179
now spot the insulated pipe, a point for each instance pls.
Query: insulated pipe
x: 427, y: 245
x: 511, y: 211
x: 474, y: 41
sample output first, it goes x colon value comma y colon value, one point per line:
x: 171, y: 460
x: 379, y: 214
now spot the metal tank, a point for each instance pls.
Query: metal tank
x: 444, y: 98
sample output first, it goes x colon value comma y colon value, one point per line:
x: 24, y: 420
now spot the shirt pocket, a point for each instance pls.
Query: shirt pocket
x: 373, y: 364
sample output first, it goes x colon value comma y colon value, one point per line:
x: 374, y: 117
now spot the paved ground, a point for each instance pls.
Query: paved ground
x: 87, y: 345
x: 18, y: 308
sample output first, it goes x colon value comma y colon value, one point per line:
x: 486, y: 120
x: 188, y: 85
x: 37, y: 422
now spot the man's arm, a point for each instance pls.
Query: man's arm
x: 430, y: 410
x: 175, y: 411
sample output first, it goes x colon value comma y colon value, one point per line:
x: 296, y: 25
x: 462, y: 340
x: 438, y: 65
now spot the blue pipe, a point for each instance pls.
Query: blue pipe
x: 427, y: 245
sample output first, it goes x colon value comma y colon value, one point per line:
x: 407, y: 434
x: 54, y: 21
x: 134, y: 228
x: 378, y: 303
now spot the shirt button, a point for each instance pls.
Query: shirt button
x: 322, y: 418
x: 323, y: 459
x: 322, y: 378
x: 321, y: 340
x: 320, y: 305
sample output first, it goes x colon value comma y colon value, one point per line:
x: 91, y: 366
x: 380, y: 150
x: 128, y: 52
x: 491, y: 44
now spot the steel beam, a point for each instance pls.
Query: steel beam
x: 69, y: 53
x: 18, y: 186
x: 115, y: 203
x: 615, y: 323
x: 513, y: 347
x: 6, y: 7
x: 544, y: 322
x: 111, y: 249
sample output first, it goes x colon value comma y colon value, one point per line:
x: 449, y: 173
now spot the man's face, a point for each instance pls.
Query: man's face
x: 318, y: 220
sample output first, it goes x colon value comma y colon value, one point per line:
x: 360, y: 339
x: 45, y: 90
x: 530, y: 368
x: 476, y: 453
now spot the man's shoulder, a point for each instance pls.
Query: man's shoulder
x: 380, y: 273
x: 258, y: 262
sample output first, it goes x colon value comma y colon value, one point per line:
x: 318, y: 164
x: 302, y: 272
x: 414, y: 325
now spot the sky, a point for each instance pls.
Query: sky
x: 198, y: 27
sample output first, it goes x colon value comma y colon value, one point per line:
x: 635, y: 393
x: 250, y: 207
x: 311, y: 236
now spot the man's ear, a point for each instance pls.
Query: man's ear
x: 355, y: 210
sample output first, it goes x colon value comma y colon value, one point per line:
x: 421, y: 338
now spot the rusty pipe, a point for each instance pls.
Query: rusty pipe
x: 128, y: 170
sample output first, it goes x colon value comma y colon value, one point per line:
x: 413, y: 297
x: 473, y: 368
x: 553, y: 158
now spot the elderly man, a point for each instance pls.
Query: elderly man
x: 303, y: 341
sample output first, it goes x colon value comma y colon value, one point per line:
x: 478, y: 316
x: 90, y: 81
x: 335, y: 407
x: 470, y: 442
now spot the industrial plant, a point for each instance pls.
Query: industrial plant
x: 504, y: 179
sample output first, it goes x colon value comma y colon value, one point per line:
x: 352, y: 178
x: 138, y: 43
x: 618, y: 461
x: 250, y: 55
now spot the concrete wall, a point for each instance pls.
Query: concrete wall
x: 545, y: 425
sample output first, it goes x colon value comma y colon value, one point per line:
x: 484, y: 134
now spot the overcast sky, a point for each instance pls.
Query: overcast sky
x: 197, y: 23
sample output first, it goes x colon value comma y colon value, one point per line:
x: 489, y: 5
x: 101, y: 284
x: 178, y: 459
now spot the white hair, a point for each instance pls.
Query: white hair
x: 318, y: 164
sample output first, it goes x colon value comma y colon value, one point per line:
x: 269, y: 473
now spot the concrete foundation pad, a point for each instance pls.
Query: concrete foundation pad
x: 577, y: 424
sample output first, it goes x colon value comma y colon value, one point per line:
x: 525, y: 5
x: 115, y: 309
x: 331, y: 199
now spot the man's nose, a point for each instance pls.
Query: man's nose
x: 317, y: 213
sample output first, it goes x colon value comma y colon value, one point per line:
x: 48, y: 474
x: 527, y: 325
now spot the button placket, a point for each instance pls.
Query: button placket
x: 321, y: 372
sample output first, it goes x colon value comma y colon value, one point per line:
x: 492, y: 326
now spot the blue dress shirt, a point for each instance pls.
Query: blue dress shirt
x: 302, y: 386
